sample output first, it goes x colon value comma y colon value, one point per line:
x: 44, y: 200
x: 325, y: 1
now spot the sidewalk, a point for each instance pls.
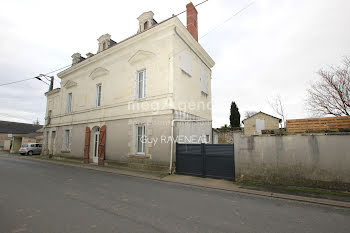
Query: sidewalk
x: 187, y: 180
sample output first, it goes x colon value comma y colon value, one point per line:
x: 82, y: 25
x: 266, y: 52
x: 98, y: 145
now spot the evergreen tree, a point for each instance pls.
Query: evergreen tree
x: 235, y: 117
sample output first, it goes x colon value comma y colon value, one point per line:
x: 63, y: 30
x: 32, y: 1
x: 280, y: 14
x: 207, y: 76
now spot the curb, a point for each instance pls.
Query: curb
x: 274, y: 195
x: 169, y: 180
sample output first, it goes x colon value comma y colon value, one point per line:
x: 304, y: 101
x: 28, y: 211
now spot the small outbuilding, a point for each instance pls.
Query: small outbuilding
x: 254, y: 124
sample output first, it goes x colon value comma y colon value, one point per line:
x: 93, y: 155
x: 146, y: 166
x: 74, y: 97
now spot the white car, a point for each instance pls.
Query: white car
x: 30, y: 149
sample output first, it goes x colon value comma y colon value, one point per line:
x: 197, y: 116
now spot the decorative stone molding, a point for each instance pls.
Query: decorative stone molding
x: 140, y: 55
x: 70, y: 84
x: 98, y: 72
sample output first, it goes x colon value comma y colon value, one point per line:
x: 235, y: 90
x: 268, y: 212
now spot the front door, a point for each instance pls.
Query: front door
x: 96, y: 143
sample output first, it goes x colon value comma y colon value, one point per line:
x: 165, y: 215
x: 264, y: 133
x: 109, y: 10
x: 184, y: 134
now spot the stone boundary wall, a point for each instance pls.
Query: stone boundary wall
x: 315, y: 160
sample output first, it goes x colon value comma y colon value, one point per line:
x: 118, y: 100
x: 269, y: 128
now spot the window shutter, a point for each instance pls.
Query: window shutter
x: 186, y: 62
x: 204, y: 80
x: 101, y: 147
x: 87, y: 145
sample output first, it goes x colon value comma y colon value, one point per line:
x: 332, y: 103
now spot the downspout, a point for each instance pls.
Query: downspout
x: 173, y: 141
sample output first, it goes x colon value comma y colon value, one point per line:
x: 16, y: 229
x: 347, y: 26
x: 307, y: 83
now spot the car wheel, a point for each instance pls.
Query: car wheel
x: 30, y: 152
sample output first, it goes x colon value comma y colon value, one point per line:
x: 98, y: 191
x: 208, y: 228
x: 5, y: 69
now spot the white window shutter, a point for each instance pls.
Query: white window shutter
x: 186, y: 62
x: 204, y: 80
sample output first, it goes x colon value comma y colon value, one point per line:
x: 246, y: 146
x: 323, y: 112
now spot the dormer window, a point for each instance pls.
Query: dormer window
x: 146, y: 21
x: 105, y: 42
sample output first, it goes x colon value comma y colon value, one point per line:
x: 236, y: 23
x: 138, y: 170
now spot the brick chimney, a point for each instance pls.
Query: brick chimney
x: 192, y: 24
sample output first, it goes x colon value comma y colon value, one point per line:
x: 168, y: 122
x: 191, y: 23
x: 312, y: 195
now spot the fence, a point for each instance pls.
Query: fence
x: 318, y: 124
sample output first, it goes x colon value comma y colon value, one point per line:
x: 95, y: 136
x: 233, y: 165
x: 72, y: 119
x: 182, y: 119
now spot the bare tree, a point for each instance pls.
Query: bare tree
x: 278, y: 107
x: 331, y: 94
x: 248, y: 114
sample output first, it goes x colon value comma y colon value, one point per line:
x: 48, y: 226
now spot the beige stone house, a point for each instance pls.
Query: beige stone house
x: 254, y: 124
x: 126, y: 102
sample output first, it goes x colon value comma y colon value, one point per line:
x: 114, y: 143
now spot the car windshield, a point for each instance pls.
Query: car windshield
x: 24, y: 145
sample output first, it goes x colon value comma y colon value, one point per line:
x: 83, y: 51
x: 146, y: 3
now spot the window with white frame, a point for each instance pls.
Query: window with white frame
x: 66, y: 140
x: 98, y: 94
x: 69, y: 103
x: 141, y: 84
x: 140, y: 137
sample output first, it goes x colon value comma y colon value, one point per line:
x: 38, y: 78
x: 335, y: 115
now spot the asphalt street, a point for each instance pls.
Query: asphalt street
x: 42, y: 197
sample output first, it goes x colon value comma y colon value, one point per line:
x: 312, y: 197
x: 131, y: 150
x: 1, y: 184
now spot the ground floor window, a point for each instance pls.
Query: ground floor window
x: 66, y: 139
x: 141, y: 133
x: 47, y: 140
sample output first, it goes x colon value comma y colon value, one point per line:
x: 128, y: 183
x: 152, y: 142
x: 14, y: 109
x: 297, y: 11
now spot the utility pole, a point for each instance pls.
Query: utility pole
x: 51, y: 83
x: 47, y: 77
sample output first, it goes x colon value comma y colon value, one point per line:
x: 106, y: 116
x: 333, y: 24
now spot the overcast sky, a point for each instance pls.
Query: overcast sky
x: 272, y: 47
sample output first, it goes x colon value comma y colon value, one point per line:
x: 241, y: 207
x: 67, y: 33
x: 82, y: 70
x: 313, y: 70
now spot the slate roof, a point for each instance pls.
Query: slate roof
x: 18, y: 128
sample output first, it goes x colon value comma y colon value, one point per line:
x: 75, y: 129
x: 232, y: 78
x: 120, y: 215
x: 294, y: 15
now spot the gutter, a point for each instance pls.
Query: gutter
x: 172, y: 142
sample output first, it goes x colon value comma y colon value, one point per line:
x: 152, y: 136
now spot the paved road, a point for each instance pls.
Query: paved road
x: 42, y: 197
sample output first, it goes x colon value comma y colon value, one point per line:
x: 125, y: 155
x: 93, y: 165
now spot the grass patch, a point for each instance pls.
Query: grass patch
x: 297, y: 190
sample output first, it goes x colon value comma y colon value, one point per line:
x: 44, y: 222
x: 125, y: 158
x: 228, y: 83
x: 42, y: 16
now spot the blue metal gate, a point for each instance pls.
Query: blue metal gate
x: 206, y: 160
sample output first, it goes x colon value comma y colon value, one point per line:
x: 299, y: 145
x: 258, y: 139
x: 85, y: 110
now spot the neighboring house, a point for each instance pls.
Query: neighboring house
x: 254, y: 124
x: 131, y: 90
x: 14, y: 134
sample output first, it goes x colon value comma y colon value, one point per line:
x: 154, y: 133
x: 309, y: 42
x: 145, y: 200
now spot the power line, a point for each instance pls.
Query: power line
x: 58, y: 69
x: 217, y: 26
x: 16, y: 81
x: 186, y: 10
x: 235, y: 14
x: 37, y: 77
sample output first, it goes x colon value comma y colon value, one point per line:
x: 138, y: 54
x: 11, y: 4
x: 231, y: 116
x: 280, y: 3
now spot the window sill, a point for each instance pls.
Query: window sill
x: 139, y: 156
x: 141, y: 99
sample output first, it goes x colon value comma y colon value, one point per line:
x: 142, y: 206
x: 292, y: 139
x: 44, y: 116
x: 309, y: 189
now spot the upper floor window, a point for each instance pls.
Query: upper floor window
x: 98, y: 94
x: 69, y: 103
x: 141, y: 84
